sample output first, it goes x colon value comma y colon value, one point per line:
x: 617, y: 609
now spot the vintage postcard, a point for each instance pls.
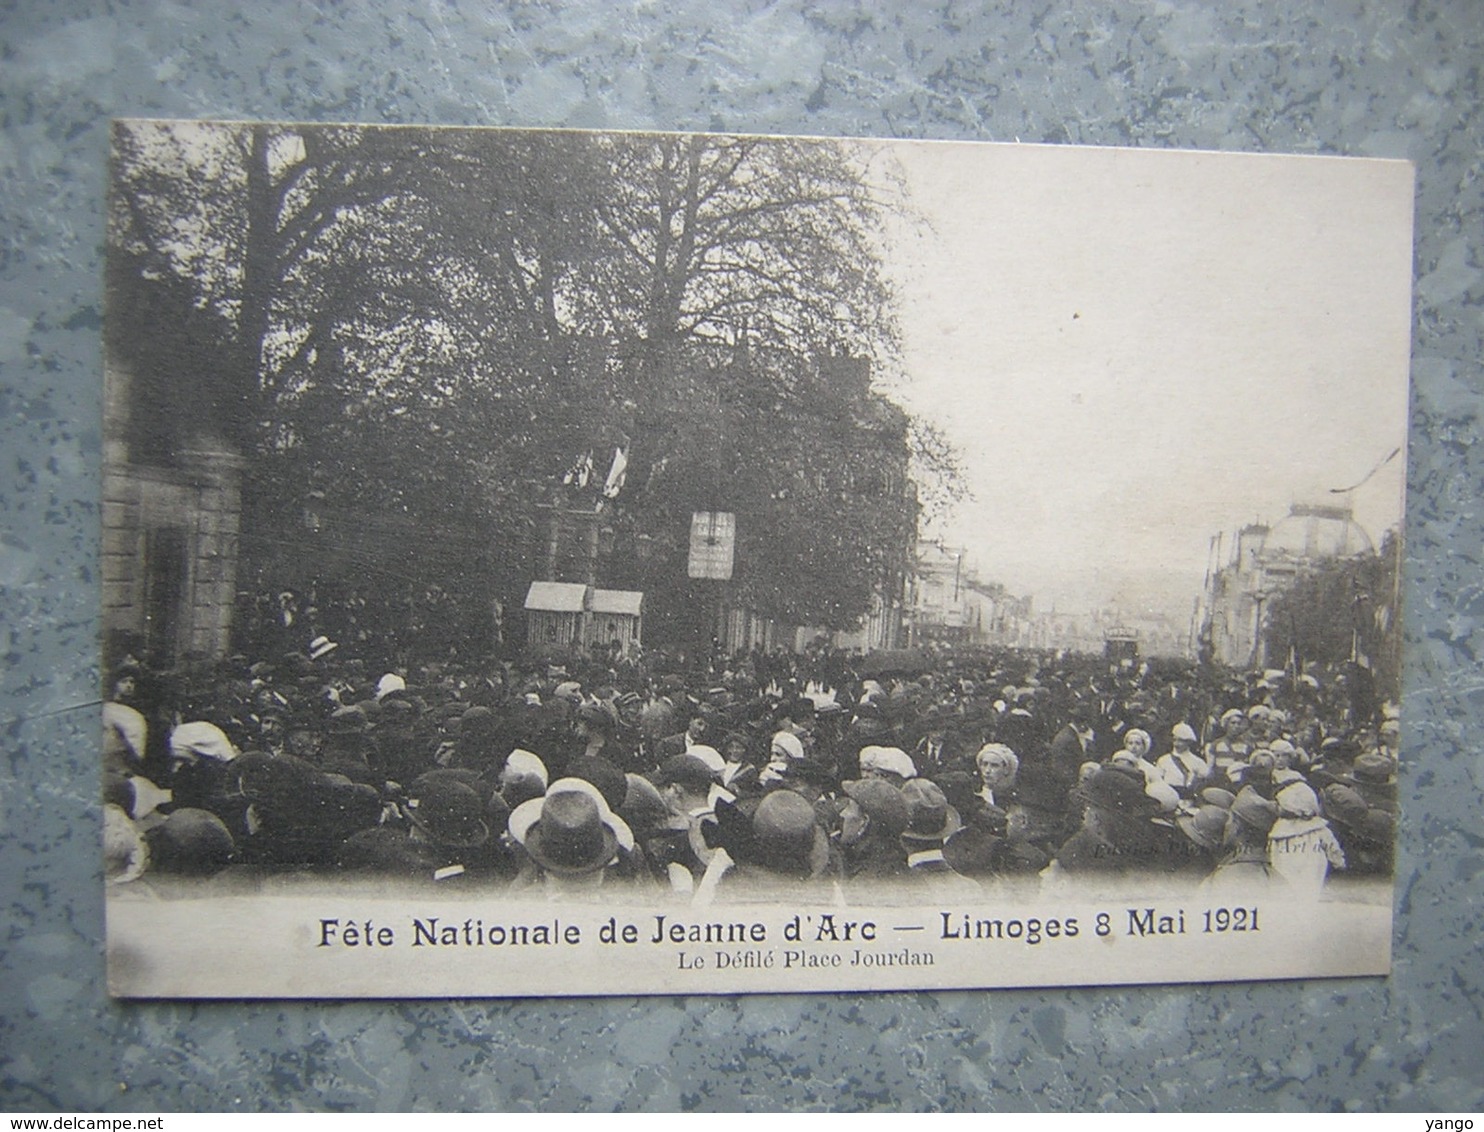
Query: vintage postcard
x: 578, y: 563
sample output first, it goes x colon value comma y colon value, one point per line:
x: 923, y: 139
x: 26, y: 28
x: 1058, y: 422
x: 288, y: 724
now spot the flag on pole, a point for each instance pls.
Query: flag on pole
x: 616, y: 474
x: 581, y: 472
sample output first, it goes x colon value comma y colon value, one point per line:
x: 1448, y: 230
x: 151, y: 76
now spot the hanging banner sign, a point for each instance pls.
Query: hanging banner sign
x: 713, y: 543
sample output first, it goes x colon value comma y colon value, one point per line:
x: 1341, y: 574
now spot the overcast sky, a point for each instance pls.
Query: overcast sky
x: 1135, y: 349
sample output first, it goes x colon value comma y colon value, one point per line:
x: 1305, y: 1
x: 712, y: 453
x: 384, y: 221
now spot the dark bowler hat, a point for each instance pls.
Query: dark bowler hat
x: 1118, y: 789
x: 449, y: 812
x: 973, y: 852
x: 349, y: 720
x: 464, y: 775
x: 477, y: 721
x: 1254, y: 811
x: 274, y: 779
x: 929, y: 816
x: 958, y: 786
x: 808, y: 770
x: 786, y: 836
x: 383, y: 850
x: 190, y: 841
x: 603, y: 774
x: 882, y: 803
x: 1206, y: 827
x: 642, y: 806
x: 1343, y: 805
x: 685, y: 771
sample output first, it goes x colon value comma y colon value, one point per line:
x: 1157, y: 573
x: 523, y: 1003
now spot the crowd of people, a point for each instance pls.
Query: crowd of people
x: 933, y: 773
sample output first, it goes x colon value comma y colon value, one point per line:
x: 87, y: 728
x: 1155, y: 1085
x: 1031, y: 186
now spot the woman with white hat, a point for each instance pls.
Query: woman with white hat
x: 1184, y: 769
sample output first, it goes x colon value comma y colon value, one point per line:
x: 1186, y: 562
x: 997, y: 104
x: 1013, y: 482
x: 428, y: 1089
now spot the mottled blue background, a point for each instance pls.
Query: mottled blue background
x: 1387, y: 79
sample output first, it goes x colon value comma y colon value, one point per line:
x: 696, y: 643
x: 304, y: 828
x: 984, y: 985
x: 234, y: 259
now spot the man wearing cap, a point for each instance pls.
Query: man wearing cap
x: 872, y: 818
x: 1367, y: 837
x: 1117, y: 834
x: 782, y: 843
x: 348, y: 747
x: 935, y: 750
x: 678, y: 852
x: 1232, y: 749
x: 448, y: 823
x: 695, y: 731
x: 888, y: 763
x: 930, y: 822
x: 1375, y: 781
x: 1246, y: 863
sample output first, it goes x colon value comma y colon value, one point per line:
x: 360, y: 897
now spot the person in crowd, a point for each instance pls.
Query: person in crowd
x: 997, y: 768
x: 696, y: 729
x: 1245, y: 864
x: 678, y: 853
x: 1137, y: 745
x: 873, y: 817
x: 569, y: 841
x: 1302, y: 848
x: 1232, y: 749
x: 1367, y: 836
x: 1119, y: 833
x: 931, y: 822
x: 1183, y: 769
x: 890, y: 764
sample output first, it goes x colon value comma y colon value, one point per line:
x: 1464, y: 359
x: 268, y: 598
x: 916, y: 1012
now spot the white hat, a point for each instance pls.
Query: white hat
x: 1183, y: 731
x: 1163, y: 793
x: 525, y: 763
x: 888, y: 760
x: 1297, y: 800
x: 389, y: 683
x: 712, y: 757
x: 320, y: 646
x: 789, y: 744
x: 199, y: 739
x: 997, y: 754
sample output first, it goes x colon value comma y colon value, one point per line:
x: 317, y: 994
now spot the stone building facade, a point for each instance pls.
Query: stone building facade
x: 170, y: 526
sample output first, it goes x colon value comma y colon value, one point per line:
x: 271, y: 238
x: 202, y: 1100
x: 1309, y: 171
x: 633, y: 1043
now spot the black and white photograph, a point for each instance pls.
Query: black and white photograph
x: 552, y: 562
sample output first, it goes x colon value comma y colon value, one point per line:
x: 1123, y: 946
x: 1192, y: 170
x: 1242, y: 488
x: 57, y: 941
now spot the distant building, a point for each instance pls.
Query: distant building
x: 1113, y: 633
x: 948, y: 603
x: 1264, y: 562
x: 939, y: 609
